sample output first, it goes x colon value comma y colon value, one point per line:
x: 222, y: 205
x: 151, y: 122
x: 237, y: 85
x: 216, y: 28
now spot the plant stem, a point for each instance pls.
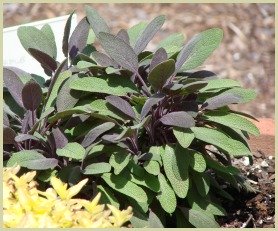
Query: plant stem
x: 143, y: 83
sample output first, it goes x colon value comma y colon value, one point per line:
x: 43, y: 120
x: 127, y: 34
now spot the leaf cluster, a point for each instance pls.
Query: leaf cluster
x: 146, y: 128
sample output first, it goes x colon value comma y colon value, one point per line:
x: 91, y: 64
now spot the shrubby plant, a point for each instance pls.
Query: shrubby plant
x: 143, y: 126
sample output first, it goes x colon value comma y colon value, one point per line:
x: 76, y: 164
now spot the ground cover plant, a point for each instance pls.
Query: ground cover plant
x: 145, y: 128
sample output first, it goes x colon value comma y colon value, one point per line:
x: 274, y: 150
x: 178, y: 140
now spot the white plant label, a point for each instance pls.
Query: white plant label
x: 15, y: 55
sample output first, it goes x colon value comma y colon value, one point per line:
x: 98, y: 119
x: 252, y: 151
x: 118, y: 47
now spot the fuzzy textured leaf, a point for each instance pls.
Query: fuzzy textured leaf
x: 221, y: 100
x: 97, y: 168
x: 119, y: 51
x: 31, y: 159
x: 121, y: 104
x: 158, y: 57
x: 31, y: 95
x: 159, y: 75
x: 78, y: 39
x: 96, y: 21
x: 184, y: 136
x: 72, y: 150
x: 201, y: 46
x: 96, y: 132
x: 65, y: 46
x: 232, y: 120
x: 121, y: 184
x: 119, y: 160
x: 178, y: 119
x: 166, y: 196
x: 221, y: 140
x: 149, y: 32
x: 44, y: 59
x: 112, y: 86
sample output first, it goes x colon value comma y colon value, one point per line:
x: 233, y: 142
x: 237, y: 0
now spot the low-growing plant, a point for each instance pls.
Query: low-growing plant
x: 24, y: 206
x: 146, y: 129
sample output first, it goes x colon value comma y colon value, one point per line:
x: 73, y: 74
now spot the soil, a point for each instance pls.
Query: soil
x: 253, y: 209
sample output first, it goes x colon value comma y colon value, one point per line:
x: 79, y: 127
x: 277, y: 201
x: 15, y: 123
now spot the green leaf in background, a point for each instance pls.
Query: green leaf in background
x: 135, y: 32
x: 201, y: 47
x: 113, y: 85
x: 166, y: 196
x: 232, y: 120
x: 97, y: 168
x: 31, y: 37
x: 159, y: 75
x: 172, y: 43
x: 221, y: 140
x: 72, y: 150
x: 31, y: 159
x: 121, y: 184
x: 184, y: 136
x: 47, y: 30
x: 119, y: 160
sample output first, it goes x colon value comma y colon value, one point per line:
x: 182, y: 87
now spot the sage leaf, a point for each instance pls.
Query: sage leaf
x: 72, y: 150
x: 220, y: 101
x: 221, y: 140
x: 178, y: 119
x: 166, y: 196
x: 96, y: 21
x: 121, y: 184
x: 31, y: 95
x: 97, y: 168
x: 119, y: 51
x: 78, y: 39
x: 161, y: 73
x: 31, y: 159
x: 184, y: 136
x: 44, y: 59
x: 65, y: 46
x: 152, y: 28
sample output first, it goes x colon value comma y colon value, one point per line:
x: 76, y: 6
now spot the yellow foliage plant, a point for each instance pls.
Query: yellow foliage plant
x: 24, y: 206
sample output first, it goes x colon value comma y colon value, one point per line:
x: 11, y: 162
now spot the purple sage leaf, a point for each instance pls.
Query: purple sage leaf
x: 96, y: 132
x: 178, y: 119
x: 119, y: 51
x: 45, y: 60
x: 121, y: 105
x: 103, y: 59
x: 13, y: 83
x: 78, y: 39
x: 158, y: 57
x: 153, y: 100
x: 65, y: 46
x: 31, y: 95
x: 220, y: 101
x: 149, y: 32
x: 8, y: 135
x: 122, y: 34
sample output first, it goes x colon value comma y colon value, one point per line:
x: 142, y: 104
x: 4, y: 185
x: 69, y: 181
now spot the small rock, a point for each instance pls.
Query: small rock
x: 270, y: 157
x: 257, y: 154
x: 245, y: 161
x: 264, y: 164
